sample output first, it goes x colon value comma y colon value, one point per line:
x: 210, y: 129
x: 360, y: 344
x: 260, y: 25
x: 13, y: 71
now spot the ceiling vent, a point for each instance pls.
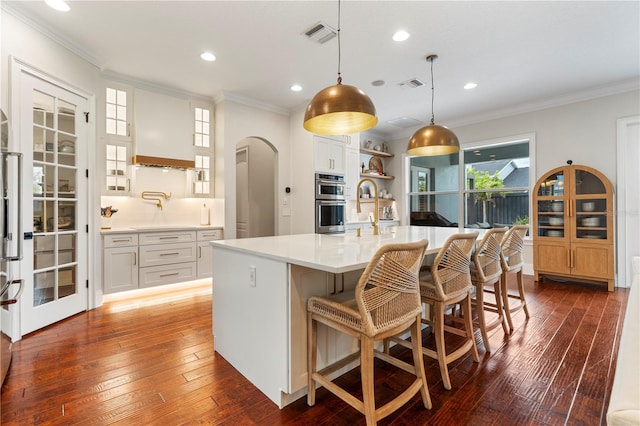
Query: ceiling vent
x: 321, y: 33
x: 405, y: 122
x: 413, y: 83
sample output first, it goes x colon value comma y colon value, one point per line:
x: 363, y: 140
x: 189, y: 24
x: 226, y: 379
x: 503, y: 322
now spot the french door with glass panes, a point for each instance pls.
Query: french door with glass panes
x: 54, y: 138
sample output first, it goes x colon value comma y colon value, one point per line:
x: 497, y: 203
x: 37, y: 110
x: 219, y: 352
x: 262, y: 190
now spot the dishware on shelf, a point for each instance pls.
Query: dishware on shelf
x: 554, y: 233
x: 557, y: 206
x: 375, y: 163
x: 590, y: 221
x: 556, y: 221
x: 588, y: 206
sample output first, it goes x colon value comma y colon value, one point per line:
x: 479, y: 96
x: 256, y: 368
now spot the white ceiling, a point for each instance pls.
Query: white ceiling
x: 522, y: 55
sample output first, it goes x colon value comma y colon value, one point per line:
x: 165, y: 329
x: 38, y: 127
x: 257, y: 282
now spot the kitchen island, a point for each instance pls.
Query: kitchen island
x: 261, y: 287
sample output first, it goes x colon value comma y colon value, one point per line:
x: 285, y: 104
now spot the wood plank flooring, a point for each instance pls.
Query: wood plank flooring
x: 150, y: 361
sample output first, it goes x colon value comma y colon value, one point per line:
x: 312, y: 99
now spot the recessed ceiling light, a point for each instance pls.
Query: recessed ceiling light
x: 296, y: 88
x: 470, y: 85
x: 208, y: 56
x: 377, y: 83
x: 400, y: 35
x: 60, y: 5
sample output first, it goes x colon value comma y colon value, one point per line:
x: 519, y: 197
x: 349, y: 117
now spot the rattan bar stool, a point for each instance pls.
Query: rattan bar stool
x: 387, y: 302
x: 486, y: 270
x: 512, y: 261
x: 447, y: 283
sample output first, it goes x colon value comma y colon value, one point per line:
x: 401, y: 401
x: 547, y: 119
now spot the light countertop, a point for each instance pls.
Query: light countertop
x: 336, y: 253
x: 157, y: 228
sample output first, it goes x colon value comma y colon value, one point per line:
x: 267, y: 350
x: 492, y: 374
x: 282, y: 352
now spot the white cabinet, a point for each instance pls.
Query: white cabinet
x: 329, y: 154
x: 352, y: 173
x: 167, y: 257
x: 205, y: 251
x: 163, y: 126
x: 120, y: 262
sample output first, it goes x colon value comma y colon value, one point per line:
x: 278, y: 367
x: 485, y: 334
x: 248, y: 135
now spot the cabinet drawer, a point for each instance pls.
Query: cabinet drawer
x: 167, y: 237
x: 210, y: 235
x: 166, y: 254
x: 167, y: 274
x: 120, y: 240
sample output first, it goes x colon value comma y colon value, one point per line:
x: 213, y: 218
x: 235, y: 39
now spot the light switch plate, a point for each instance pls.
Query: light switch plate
x: 252, y: 275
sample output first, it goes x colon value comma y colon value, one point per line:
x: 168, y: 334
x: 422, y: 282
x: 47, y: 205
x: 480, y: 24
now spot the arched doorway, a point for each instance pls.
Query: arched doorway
x: 255, y: 188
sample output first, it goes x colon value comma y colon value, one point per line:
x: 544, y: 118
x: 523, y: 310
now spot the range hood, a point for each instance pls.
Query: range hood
x: 144, y: 160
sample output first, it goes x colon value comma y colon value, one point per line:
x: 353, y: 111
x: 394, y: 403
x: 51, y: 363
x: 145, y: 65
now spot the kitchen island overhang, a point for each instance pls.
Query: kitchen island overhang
x: 261, y: 287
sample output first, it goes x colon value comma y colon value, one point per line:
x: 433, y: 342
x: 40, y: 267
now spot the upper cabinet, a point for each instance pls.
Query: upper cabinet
x: 163, y: 126
x: 573, y: 225
x: 329, y: 154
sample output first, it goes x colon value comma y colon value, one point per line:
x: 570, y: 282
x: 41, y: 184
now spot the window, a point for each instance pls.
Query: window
x: 490, y: 189
x: 201, y: 184
x: 202, y: 124
x: 116, y: 112
x: 117, y: 179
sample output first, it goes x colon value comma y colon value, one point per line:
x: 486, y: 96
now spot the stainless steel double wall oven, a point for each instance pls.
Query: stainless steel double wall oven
x: 330, y: 203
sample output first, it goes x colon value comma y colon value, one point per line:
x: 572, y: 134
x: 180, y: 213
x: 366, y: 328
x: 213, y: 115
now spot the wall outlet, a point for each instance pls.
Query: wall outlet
x: 252, y: 275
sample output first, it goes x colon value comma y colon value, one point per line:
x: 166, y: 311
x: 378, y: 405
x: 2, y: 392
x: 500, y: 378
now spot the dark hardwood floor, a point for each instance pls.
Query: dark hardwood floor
x: 150, y: 361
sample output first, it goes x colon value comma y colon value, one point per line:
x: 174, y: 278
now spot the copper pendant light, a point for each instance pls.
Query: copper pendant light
x: 433, y: 139
x: 340, y: 109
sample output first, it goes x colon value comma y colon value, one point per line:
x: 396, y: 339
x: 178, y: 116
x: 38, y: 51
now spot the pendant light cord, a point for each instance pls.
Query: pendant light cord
x: 339, y: 52
x: 431, y: 59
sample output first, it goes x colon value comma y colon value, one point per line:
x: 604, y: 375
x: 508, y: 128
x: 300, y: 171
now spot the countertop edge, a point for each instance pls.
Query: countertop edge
x: 130, y: 230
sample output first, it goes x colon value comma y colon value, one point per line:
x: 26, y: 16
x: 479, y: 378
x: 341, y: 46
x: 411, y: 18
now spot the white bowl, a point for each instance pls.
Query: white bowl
x: 554, y: 233
x: 555, y: 221
x: 588, y: 206
x: 590, y: 221
x: 557, y: 206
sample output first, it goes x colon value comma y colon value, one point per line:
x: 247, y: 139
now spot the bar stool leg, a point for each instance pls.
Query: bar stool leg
x: 499, y: 307
x: 468, y: 325
x: 366, y: 372
x: 505, y: 301
x: 312, y: 357
x: 438, y: 330
x: 480, y: 311
x: 521, y: 291
x: 418, y: 360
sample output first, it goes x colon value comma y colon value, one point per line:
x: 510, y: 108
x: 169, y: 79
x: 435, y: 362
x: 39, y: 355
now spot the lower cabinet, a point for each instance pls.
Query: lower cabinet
x: 149, y: 259
x: 120, y: 262
x: 205, y: 251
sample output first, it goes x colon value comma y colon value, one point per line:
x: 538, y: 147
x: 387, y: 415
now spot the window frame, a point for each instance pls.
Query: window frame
x: 462, y: 191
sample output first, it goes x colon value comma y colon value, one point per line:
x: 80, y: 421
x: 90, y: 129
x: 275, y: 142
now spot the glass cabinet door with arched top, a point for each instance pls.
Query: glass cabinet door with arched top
x: 549, y: 207
x: 591, y: 205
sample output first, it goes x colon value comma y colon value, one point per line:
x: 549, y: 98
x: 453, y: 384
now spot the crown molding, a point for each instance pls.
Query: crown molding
x: 151, y: 86
x: 243, y: 100
x: 36, y: 24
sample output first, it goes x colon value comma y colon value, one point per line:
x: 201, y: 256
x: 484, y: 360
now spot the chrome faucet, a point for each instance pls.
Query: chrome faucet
x: 374, y: 223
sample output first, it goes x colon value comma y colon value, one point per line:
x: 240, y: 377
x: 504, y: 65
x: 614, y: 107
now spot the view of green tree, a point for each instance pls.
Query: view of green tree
x: 483, y: 180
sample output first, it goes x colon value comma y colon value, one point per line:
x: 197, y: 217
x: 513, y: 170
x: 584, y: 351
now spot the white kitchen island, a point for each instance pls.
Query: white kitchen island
x: 261, y: 287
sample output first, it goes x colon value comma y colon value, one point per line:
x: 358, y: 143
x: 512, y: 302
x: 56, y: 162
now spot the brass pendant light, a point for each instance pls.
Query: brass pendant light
x: 340, y: 109
x: 433, y: 139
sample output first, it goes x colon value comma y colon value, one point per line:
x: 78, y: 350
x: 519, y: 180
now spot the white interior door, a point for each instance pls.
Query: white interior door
x: 242, y: 193
x: 54, y: 138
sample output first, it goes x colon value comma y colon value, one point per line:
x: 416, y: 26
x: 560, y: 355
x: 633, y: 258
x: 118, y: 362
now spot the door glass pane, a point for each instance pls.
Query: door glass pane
x: 43, y: 287
x: 553, y: 185
x: 66, y: 249
x: 66, y: 117
x: 66, y: 281
x: 67, y: 150
x: 66, y: 182
x: 43, y: 251
x: 49, y: 178
x: 66, y: 215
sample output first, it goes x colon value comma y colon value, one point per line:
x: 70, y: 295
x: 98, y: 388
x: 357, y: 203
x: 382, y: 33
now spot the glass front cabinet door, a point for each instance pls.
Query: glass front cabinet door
x: 573, y: 225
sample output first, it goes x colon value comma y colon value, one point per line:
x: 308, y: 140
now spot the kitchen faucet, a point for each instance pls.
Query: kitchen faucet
x: 375, y: 198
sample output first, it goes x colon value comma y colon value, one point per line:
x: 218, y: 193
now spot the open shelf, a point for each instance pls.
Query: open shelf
x: 376, y: 153
x: 374, y: 176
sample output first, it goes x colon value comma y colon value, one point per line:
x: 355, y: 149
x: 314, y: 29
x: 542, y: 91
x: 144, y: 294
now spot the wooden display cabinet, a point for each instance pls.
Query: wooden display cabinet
x: 573, y: 233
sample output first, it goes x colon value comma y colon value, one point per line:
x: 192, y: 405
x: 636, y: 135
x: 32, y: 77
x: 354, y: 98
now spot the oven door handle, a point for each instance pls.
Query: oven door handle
x: 17, y: 296
x: 330, y: 182
x: 331, y: 203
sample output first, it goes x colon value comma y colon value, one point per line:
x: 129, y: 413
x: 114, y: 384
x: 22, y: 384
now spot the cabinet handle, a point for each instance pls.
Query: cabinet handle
x: 571, y: 258
x: 168, y: 275
x: 173, y: 237
x: 199, y: 252
x: 169, y: 254
x: 128, y: 129
x: 122, y: 241
x: 135, y: 258
x: 128, y: 185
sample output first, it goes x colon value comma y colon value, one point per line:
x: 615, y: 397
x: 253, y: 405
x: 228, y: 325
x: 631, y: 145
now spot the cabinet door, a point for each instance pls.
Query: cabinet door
x: 552, y: 257
x: 117, y: 162
x: 205, y: 262
x: 352, y: 173
x: 120, y: 269
x: 592, y: 260
x: 329, y: 155
x: 592, y: 206
x: 552, y: 206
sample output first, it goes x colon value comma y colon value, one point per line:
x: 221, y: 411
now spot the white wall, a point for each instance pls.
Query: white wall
x: 236, y: 121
